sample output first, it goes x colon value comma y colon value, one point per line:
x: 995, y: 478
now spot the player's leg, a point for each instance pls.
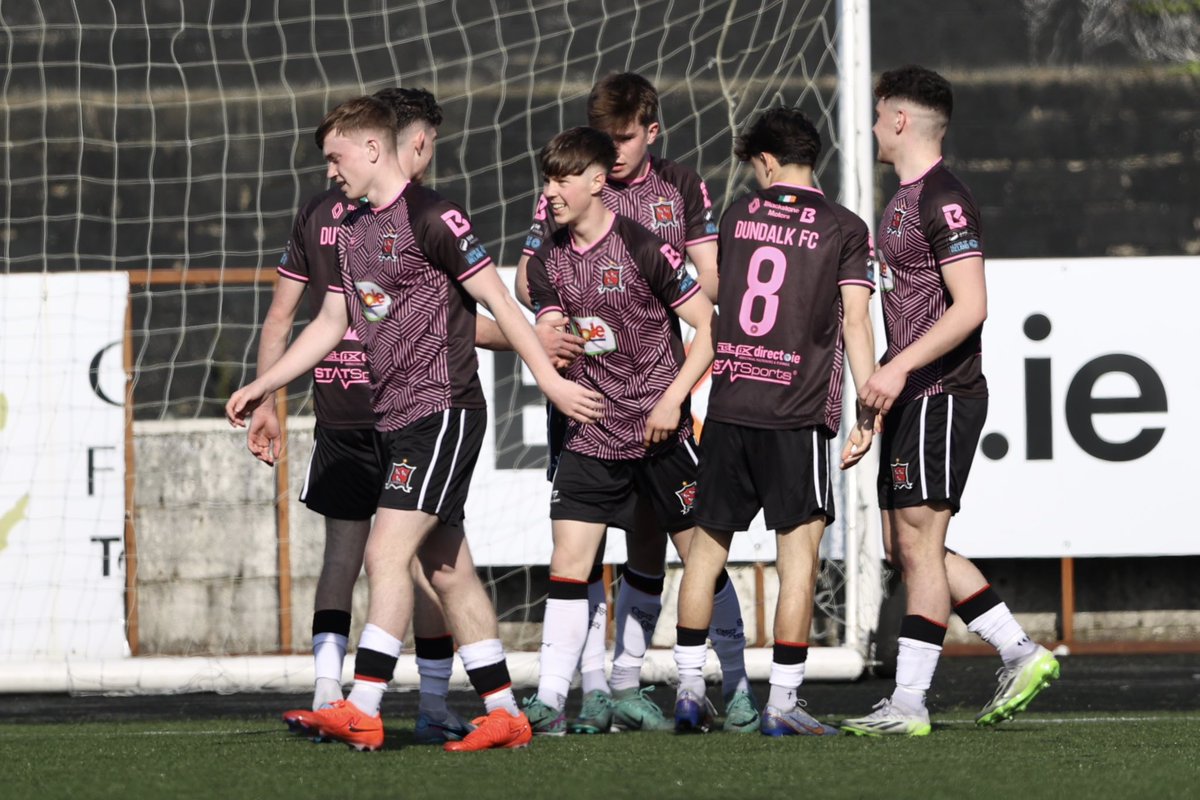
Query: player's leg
x: 434, y: 648
x: 707, y: 555
x: 796, y: 563
x: 596, y: 714
x: 446, y: 559
x: 639, y: 599
x: 566, y: 622
x: 345, y: 541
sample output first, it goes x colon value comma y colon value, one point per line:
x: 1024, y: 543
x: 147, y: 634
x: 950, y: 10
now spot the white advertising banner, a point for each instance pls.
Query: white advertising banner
x: 1090, y: 441
x: 62, y: 465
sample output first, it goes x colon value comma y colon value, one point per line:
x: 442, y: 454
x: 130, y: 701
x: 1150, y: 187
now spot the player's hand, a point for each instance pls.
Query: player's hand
x: 882, y: 388
x: 243, y: 402
x: 264, y: 438
x: 560, y: 345
x: 578, y: 403
x: 858, y: 444
x: 662, y: 423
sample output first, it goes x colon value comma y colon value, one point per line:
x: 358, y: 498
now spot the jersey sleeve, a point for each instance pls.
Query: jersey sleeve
x: 542, y: 293
x: 857, y: 263
x: 951, y: 222
x: 698, y: 210
x: 662, y: 267
x: 540, y: 229
x: 293, y: 262
x: 449, y: 242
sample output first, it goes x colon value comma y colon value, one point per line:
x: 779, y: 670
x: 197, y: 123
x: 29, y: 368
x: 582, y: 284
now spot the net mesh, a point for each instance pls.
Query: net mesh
x: 173, y: 141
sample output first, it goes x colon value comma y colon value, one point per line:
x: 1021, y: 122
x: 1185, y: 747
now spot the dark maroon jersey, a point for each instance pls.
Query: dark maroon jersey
x: 619, y: 294
x: 784, y: 253
x: 341, y: 382
x: 670, y: 200
x: 402, y: 266
x: 931, y: 222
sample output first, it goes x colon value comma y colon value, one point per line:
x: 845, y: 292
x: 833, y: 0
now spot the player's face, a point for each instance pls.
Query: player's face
x: 885, y: 130
x: 348, y: 160
x: 569, y: 197
x: 633, y: 143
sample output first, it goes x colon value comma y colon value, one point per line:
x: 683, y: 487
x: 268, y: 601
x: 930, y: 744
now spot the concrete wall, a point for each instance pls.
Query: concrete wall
x: 207, y: 569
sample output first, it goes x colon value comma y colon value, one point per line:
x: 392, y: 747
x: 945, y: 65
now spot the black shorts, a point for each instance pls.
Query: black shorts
x: 343, y: 476
x: 427, y: 465
x: 595, y: 490
x: 556, y: 436
x: 926, y: 450
x: 783, y: 472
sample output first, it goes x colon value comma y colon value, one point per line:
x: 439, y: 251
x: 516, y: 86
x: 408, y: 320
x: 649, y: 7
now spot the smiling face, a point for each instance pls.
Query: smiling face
x: 350, y: 161
x: 633, y: 142
x: 569, y: 197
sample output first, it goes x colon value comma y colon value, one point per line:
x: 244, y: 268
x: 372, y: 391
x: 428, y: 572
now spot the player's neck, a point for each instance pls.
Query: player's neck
x: 388, y: 184
x: 794, y: 175
x: 591, y: 226
x: 915, y: 163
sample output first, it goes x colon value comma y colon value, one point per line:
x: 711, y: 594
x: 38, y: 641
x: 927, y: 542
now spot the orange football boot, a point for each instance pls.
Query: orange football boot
x: 341, y: 721
x: 497, y: 729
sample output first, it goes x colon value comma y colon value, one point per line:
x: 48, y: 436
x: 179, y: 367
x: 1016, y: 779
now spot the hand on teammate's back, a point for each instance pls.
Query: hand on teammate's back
x: 580, y: 404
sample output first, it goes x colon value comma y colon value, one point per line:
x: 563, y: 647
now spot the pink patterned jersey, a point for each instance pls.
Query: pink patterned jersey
x: 619, y: 294
x: 341, y: 382
x: 670, y: 200
x: 402, y: 269
x: 785, y: 251
x: 931, y: 222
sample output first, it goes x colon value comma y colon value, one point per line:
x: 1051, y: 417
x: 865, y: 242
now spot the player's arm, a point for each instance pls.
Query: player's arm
x: 263, y: 437
x: 703, y: 256
x: 315, y: 342
x: 521, y: 282
x: 663, y: 421
x: 858, y: 334
x: 578, y: 403
x: 968, y: 310
x: 560, y: 345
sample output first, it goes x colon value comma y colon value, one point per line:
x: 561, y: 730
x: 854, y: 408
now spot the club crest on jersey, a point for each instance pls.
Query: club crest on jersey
x: 612, y: 278
x: 401, y: 476
x: 373, y: 299
x: 687, y: 496
x: 898, y: 213
x: 900, y: 476
x: 387, y: 247
x: 664, y: 214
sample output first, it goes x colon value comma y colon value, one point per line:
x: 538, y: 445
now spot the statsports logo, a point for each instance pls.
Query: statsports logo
x: 373, y: 299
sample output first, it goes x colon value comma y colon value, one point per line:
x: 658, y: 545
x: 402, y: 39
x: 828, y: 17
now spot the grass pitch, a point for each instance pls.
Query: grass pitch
x: 1037, y: 755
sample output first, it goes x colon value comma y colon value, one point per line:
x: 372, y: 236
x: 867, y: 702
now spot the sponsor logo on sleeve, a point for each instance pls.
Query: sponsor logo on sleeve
x: 471, y: 248
x: 456, y: 222
x: 954, y: 216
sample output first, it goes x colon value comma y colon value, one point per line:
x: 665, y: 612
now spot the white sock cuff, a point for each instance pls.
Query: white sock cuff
x: 481, y: 654
x: 335, y: 639
x: 917, y: 644
x: 376, y: 638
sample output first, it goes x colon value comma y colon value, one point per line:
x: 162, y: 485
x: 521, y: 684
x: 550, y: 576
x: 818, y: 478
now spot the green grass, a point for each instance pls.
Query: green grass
x: 1035, y: 756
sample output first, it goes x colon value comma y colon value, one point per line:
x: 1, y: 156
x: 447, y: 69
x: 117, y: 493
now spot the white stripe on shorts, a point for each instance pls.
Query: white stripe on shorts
x: 437, y: 449
x: 462, y: 424
x: 816, y: 466
x: 695, y: 459
x: 312, y: 454
x: 921, y: 452
x: 949, y: 423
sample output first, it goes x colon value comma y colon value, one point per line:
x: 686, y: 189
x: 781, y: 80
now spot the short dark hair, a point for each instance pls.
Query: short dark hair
x: 411, y: 105
x: 621, y: 99
x: 574, y: 150
x: 918, y: 85
x: 361, y: 113
x: 786, y: 133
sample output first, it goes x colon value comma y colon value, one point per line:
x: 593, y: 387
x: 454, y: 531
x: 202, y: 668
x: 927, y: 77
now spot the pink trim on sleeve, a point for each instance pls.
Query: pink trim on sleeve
x: 686, y: 297
x: 701, y: 240
x: 292, y: 275
x: 856, y: 282
x: 487, y: 262
x: 548, y: 309
x: 953, y: 259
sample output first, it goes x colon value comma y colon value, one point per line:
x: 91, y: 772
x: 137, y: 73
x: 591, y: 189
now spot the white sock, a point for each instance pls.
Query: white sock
x: 564, y: 630
x: 915, y: 665
x: 689, y: 661
x: 999, y: 628
x: 591, y: 665
x: 637, y: 616
x: 728, y: 636
x: 367, y: 694
x: 785, y: 684
x: 486, y: 653
x: 329, y: 651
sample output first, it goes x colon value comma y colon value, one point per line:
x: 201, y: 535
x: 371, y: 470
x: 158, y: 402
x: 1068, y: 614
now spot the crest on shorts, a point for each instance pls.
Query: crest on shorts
x: 612, y: 278
x: 687, y: 496
x: 900, y: 477
x: 897, y: 218
x: 401, y: 476
x: 387, y: 247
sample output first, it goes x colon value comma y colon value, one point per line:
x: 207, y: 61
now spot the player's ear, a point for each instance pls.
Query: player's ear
x: 652, y: 131
x: 373, y: 148
x: 598, y: 179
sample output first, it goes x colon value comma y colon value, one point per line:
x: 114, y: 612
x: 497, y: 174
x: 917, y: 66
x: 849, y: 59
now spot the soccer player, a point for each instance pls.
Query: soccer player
x: 795, y: 287
x: 671, y: 201
x: 932, y: 388
x: 343, y: 475
x: 622, y: 287
x: 412, y: 271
